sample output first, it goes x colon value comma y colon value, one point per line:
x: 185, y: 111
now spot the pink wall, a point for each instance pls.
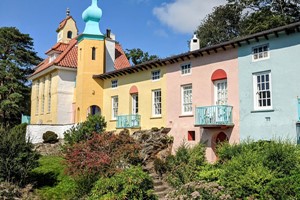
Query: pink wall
x: 203, y: 95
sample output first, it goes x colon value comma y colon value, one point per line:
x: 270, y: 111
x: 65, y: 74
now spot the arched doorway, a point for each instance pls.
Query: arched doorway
x: 94, y: 109
x: 218, y: 139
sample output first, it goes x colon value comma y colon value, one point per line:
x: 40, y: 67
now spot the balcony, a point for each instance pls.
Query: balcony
x: 129, y: 121
x: 214, y: 116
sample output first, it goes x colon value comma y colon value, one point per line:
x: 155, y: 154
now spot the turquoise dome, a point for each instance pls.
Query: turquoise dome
x: 91, y: 16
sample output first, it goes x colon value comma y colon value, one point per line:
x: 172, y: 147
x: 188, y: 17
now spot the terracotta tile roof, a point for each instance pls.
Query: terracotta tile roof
x: 63, y: 22
x: 58, y: 47
x: 121, y: 60
x: 68, y: 57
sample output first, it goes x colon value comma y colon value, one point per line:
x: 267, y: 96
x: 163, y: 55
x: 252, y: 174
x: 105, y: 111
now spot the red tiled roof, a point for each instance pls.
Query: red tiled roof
x: 121, y: 60
x: 68, y: 57
x: 58, y: 47
x: 63, y: 22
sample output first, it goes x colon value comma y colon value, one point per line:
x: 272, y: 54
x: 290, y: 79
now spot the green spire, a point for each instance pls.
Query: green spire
x: 91, y: 16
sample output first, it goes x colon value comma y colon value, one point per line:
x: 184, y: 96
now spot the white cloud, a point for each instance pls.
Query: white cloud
x: 185, y: 15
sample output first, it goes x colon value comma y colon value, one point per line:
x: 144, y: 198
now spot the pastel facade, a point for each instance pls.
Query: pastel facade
x: 242, y: 88
x: 269, y: 86
x: 205, y: 95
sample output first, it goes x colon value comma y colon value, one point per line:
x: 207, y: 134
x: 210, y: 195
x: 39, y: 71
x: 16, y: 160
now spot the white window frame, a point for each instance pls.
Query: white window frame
x: 156, y: 103
x: 217, y: 100
x: 114, y: 107
x: 114, y: 83
x: 37, y: 97
x: 261, y: 52
x: 135, y: 104
x: 186, y: 69
x: 43, y: 96
x: 49, y: 93
x: 155, y: 75
x: 186, y: 104
x: 262, y: 89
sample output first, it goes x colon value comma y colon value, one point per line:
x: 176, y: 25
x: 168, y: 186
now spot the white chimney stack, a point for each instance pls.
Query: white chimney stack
x: 194, y: 43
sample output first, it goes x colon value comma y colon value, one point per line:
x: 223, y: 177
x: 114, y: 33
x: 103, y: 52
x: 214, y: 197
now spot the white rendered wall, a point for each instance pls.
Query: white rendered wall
x: 35, y: 132
x: 110, y: 55
x: 65, y: 93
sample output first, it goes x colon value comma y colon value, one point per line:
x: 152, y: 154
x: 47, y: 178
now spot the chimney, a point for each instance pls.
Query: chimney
x: 108, y: 32
x: 194, y: 43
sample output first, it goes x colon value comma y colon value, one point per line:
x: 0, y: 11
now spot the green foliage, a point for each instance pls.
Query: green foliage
x: 17, y: 157
x: 101, y: 156
x: 51, y: 180
x: 131, y: 184
x: 243, y: 17
x: 17, y: 56
x: 85, y: 130
x: 137, y: 56
x: 183, y: 167
x: 160, y: 167
x: 50, y: 137
x: 251, y: 166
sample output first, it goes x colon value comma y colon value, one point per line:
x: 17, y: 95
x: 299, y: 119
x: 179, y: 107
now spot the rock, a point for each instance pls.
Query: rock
x: 195, y: 195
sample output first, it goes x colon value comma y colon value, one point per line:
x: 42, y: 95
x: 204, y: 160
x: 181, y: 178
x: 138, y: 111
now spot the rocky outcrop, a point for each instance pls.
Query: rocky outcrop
x: 47, y: 149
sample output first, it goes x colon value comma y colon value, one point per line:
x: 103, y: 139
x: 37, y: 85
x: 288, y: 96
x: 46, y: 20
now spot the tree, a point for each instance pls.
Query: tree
x: 137, y: 56
x: 243, y: 17
x: 17, y: 57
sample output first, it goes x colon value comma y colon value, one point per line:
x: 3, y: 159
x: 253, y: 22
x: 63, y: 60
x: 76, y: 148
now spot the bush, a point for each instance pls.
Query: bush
x: 85, y: 130
x: 17, y: 157
x: 102, y: 155
x: 50, y: 137
x: 131, y: 183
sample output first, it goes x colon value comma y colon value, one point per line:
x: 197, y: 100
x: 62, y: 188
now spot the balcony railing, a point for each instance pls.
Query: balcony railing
x: 214, y: 116
x: 129, y: 121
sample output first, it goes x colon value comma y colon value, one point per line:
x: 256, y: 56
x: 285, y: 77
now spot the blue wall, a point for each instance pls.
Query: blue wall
x: 284, y: 64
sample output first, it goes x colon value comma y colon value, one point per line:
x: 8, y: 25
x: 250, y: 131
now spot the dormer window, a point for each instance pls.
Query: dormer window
x: 69, y: 34
x: 260, y: 52
x: 52, y: 57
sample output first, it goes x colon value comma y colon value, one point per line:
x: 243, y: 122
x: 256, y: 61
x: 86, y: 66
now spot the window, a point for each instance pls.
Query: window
x: 156, y: 102
x: 262, y: 91
x: 186, y: 69
x: 43, y: 97
x: 260, y: 52
x: 49, y: 93
x: 37, y: 97
x: 155, y: 75
x: 115, y: 105
x: 191, y: 136
x: 93, y: 53
x: 52, y: 57
x: 69, y: 34
x: 114, y: 83
x: 187, y: 99
x: 221, y: 92
x: 135, y: 104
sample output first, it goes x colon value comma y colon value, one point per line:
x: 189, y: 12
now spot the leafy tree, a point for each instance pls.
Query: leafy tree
x: 137, y: 56
x: 17, y: 157
x: 17, y: 57
x: 244, y: 17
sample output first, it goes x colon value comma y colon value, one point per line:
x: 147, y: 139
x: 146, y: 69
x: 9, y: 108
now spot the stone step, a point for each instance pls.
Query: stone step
x: 161, y: 195
x: 161, y: 188
x: 157, y: 183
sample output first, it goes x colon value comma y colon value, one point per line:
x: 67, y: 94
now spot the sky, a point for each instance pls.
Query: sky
x: 159, y: 27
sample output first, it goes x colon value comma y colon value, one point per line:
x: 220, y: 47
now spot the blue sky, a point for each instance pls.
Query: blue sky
x: 160, y: 27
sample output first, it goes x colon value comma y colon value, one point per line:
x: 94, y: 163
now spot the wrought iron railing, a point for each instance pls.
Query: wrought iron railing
x: 128, y: 121
x: 213, y: 115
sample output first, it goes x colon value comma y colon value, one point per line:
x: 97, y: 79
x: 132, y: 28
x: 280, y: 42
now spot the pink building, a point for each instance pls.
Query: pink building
x: 203, y: 97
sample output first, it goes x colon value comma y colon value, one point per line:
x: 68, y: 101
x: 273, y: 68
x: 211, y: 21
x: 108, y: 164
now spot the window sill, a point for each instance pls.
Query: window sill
x: 188, y: 115
x: 258, y: 111
x: 156, y: 117
x: 113, y: 120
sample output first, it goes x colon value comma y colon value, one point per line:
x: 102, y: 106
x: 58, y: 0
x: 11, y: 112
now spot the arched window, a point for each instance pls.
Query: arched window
x: 93, y: 53
x: 93, y: 110
x: 69, y: 34
x: 219, y: 78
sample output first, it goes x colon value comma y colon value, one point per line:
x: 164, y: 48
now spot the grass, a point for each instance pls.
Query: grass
x: 52, y: 182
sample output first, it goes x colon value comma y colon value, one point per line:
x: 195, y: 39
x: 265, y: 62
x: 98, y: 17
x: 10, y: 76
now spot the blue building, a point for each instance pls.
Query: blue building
x: 269, y: 84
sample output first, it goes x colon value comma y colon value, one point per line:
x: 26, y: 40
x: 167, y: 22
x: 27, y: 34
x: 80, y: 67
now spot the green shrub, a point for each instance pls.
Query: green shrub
x: 50, y: 137
x: 130, y: 184
x: 85, y: 130
x: 160, y: 166
x: 17, y: 157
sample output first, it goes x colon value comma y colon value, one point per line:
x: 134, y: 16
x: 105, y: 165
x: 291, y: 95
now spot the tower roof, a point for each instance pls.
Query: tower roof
x: 91, y: 16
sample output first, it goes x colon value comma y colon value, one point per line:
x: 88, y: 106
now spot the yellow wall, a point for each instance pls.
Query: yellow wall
x: 89, y: 91
x: 63, y: 33
x: 142, y: 80
x: 46, y: 117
